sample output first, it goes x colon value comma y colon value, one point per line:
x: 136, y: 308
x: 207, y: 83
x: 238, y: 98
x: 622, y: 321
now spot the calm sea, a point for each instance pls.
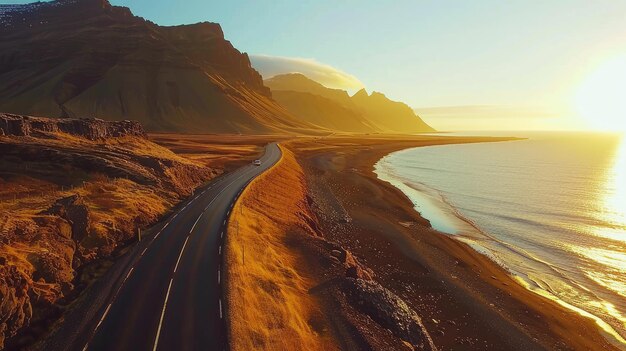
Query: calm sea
x: 551, y: 209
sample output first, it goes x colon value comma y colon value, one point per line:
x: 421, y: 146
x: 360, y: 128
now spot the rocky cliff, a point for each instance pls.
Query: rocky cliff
x: 335, y: 109
x: 87, y: 58
x: 72, y: 191
x: 92, y: 129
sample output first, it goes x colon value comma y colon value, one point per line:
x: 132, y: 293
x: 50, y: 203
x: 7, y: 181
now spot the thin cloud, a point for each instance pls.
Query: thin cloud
x: 485, y: 111
x: 327, y: 75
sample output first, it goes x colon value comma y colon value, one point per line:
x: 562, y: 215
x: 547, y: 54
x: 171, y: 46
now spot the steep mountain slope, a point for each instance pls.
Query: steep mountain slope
x: 301, y: 83
x: 336, y: 109
x: 77, y: 58
x: 388, y: 114
x: 324, y: 112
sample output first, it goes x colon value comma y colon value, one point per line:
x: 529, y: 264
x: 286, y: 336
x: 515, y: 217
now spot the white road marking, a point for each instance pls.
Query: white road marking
x: 226, y: 187
x: 218, y: 275
x: 167, y: 296
x: 180, y: 254
x: 128, y: 275
x: 224, y: 222
x: 104, y: 316
x: 222, y: 234
x: 156, y: 341
x: 194, y: 225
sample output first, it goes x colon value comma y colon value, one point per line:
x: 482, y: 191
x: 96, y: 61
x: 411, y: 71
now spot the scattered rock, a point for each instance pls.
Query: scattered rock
x: 354, y: 269
x: 74, y: 210
x: 389, y: 311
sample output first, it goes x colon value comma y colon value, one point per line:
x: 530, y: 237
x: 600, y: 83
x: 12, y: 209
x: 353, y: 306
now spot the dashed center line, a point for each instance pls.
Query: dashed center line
x: 158, y: 333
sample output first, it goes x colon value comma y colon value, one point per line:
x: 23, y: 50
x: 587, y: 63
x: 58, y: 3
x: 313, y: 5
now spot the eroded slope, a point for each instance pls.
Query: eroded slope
x: 72, y: 192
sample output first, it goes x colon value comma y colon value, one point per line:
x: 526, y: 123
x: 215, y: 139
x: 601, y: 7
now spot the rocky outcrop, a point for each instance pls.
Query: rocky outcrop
x: 75, y: 212
x: 72, y: 191
x: 92, y: 129
x: 15, y: 307
x: 116, y: 66
x: 390, y: 311
x: 354, y: 268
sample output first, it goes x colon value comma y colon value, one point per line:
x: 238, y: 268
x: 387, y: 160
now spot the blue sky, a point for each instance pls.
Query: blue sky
x: 506, y: 55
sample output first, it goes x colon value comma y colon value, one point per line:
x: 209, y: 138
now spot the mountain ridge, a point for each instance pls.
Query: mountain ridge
x: 88, y: 58
x: 363, y: 112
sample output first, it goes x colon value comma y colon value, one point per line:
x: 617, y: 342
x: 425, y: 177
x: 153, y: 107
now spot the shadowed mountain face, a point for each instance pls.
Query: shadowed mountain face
x: 79, y: 58
x: 336, y: 109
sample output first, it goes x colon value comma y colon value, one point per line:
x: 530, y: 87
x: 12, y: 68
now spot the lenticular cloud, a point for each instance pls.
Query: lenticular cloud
x: 327, y: 75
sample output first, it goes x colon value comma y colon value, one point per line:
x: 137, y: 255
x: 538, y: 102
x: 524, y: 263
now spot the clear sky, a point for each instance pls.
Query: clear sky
x: 521, y: 62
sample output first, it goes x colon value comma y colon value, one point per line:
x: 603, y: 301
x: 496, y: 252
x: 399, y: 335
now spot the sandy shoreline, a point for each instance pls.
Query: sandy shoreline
x: 465, y: 299
x: 445, y: 217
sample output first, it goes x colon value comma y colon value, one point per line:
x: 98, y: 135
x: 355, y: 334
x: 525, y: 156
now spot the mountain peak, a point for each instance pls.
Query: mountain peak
x: 361, y: 93
x: 39, y: 15
x: 100, y: 3
x: 378, y: 95
x: 301, y: 83
x: 293, y: 81
x: 114, y: 65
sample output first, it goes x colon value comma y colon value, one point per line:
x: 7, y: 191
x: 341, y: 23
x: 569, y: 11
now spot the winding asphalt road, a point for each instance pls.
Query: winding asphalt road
x: 170, y: 296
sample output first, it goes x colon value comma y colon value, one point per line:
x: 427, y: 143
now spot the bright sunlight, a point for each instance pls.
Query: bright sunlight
x: 600, y: 99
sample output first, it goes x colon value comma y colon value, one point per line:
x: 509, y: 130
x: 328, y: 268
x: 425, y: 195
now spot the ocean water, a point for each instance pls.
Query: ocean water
x: 551, y: 209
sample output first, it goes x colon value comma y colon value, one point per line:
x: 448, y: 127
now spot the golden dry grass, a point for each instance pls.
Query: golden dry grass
x: 117, y: 206
x: 268, y: 304
x: 216, y: 151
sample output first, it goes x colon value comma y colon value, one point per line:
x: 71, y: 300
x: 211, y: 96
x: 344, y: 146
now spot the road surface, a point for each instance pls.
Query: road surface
x: 169, y: 297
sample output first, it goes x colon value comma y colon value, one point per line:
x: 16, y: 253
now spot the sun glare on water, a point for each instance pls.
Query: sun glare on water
x: 601, y: 98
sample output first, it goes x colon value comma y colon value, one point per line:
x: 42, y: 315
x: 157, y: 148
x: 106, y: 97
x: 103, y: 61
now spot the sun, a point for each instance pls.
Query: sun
x: 601, y: 98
